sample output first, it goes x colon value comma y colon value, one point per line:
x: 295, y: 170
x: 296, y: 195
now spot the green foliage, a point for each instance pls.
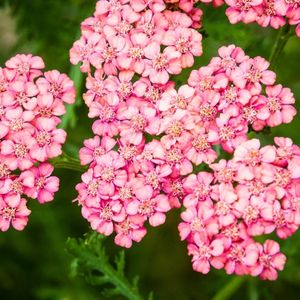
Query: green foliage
x: 69, y: 120
x: 92, y: 262
x: 34, y: 264
x: 49, y: 27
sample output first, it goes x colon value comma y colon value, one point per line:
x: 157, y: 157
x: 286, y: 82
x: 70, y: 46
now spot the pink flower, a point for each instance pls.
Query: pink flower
x: 282, y: 6
x: 279, y: 219
x: 160, y: 65
x: 206, y: 253
x: 205, y: 80
x: 49, y: 140
x: 177, y: 19
x: 47, y: 107
x: 225, y: 197
x: 172, y: 100
x: 86, y: 50
x: 102, y: 218
x: 89, y: 189
x: 155, y: 6
x: 270, y: 260
x: 279, y: 105
x: 109, y: 54
x: 26, y: 66
x: 174, y: 190
x: 251, y: 156
x: 109, y: 169
x: 153, y: 25
x: 134, y: 58
x: 45, y: 185
x: 93, y: 25
x: 229, y: 58
x: 229, y: 132
x: 129, y: 230
x: 106, y: 124
x: 149, y: 206
x: 155, y: 175
x: 94, y: 148
x: 152, y: 138
x: 137, y: 117
x: 285, y: 151
x: 16, y: 119
x: 96, y: 87
x: 291, y: 204
x: 60, y: 86
x: 224, y: 171
x: 198, y: 219
x: 119, y: 89
x: 186, y: 42
x: 17, y: 184
x: 242, y: 10
x: 268, y: 15
x: 252, y: 73
x: 17, y: 151
x: 23, y: 94
x: 198, y: 188
x: 240, y: 257
x: 13, y: 211
x: 201, y: 150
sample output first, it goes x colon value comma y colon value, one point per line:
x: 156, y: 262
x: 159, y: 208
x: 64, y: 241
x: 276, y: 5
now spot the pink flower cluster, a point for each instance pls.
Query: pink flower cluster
x: 134, y: 47
x: 31, y: 103
x: 254, y: 193
x: 136, y: 36
x: 150, y: 136
x: 221, y: 103
x: 274, y: 13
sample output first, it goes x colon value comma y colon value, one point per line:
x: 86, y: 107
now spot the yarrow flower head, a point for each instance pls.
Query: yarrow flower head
x: 151, y: 138
x: 135, y: 48
x: 31, y: 103
x: 273, y: 13
x: 249, y: 195
x: 266, y: 13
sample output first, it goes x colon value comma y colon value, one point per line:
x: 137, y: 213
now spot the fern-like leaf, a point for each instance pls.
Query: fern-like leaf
x: 92, y: 261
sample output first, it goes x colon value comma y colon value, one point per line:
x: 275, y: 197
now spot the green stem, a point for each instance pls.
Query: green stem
x: 67, y: 162
x: 283, y: 36
x: 229, y: 289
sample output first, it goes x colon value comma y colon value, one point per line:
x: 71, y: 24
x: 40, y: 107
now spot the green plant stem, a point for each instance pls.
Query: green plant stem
x: 230, y: 288
x: 283, y: 36
x: 67, y: 162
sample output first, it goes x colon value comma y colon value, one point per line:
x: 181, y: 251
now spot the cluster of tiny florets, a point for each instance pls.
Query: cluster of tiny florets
x: 31, y: 103
x: 253, y: 194
x: 137, y: 37
x: 151, y: 137
x: 273, y: 13
x: 134, y: 47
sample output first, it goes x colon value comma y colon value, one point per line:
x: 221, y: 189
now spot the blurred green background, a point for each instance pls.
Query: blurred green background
x: 34, y: 263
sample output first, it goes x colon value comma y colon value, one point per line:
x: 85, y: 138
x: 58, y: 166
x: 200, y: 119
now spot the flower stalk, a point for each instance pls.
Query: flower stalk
x: 67, y: 162
x: 230, y: 288
x: 282, y: 38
